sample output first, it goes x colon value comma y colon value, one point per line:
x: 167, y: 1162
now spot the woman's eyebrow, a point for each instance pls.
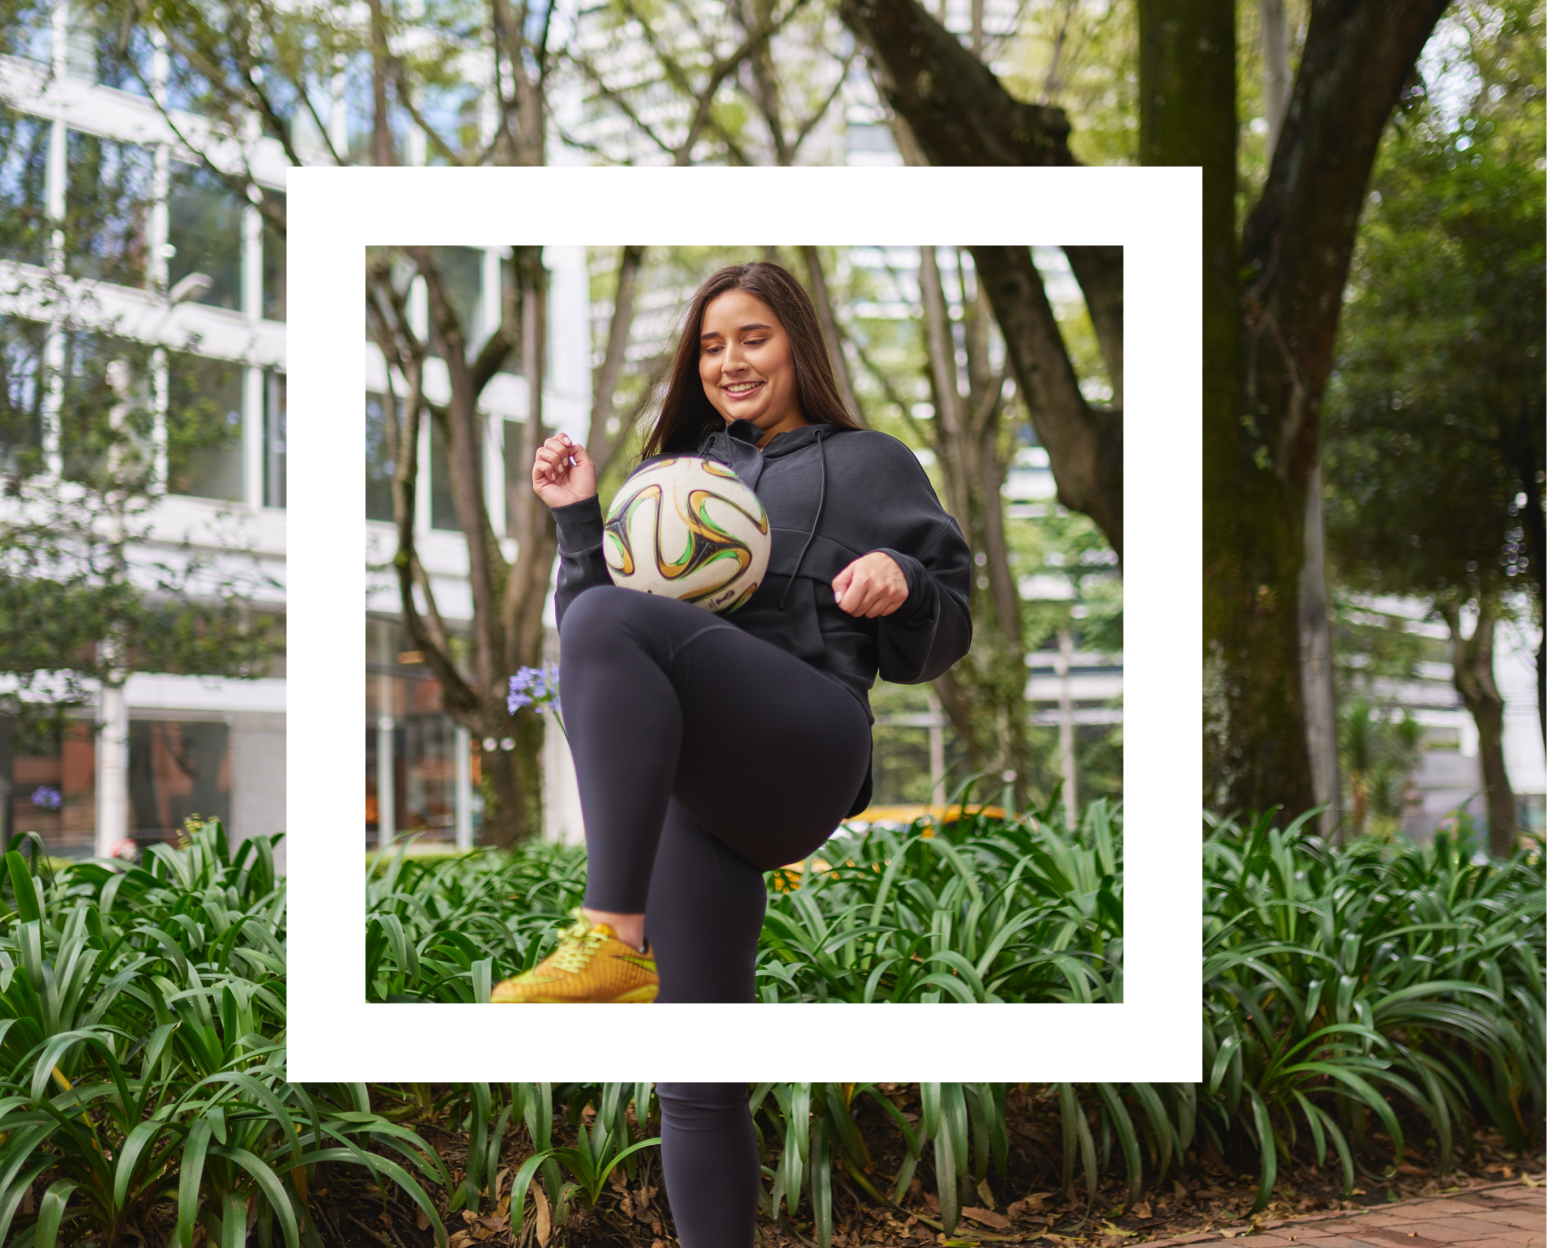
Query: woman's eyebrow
x: 740, y: 329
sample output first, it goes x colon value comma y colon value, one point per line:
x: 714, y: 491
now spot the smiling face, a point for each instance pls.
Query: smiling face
x: 747, y: 366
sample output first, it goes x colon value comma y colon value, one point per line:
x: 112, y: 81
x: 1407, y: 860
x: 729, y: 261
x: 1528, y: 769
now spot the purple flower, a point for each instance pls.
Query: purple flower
x: 538, y: 688
x: 47, y: 796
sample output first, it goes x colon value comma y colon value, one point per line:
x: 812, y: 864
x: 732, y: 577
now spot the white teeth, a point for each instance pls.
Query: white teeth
x: 742, y: 389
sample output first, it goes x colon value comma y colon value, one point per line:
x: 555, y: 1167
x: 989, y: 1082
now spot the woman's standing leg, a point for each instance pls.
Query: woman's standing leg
x: 709, y: 1154
x: 705, y: 915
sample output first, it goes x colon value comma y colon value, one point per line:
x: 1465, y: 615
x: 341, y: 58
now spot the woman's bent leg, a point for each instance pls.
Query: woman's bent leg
x: 663, y: 700
x: 709, y: 1154
x: 705, y: 915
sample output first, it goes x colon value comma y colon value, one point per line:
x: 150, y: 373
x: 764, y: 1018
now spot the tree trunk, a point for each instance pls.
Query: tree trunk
x: 1270, y: 316
x: 957, y: 110
x: 1099, y: 271
x: 381, y: 124
x: 1275, y: 68
x: 954, y: 111
x: 1084, y: 444
x: 1472, y: 662
x: 1321, y: 722
x: 526, y: 586
x: 830, y: 330
x: 986, y: 693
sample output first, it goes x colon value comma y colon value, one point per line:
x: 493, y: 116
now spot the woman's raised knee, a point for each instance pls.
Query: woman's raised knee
x: 599, y: 611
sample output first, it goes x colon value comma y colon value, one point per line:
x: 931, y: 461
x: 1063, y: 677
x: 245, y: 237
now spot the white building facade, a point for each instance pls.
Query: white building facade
x: 117, y: 219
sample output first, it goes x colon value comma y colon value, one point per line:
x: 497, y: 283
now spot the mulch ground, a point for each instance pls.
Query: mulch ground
x: 1210, y: 1200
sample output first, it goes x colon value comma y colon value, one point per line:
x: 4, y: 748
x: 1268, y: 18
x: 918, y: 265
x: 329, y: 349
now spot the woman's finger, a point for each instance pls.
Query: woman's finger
x: 841, y: 583
x: 859, y: 591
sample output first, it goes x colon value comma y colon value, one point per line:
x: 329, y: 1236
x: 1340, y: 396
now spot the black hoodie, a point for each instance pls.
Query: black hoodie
x: 832, y: 495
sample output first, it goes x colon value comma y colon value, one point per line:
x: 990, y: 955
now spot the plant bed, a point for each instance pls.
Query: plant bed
x: 1374, y: 1015
x: 980, y: 907
x: 1026, y: 1205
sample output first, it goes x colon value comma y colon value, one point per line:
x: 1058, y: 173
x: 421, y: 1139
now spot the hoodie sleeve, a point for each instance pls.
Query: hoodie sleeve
x: 581, y: 564
x: 933, y: 628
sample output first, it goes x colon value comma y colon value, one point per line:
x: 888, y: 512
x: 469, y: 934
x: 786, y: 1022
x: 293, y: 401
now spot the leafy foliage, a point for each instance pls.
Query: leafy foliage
x: 977, y: 909
x: 142, y: 1056
x: 1338, y: 980
x: 1349, y: 992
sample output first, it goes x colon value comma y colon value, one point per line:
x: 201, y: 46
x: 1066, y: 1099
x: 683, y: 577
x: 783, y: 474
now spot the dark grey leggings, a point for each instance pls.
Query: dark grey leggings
x: 709, y: 1155
x: 705, y: 756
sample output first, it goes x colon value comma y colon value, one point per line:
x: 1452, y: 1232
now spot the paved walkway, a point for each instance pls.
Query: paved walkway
x: 1505, y: 1215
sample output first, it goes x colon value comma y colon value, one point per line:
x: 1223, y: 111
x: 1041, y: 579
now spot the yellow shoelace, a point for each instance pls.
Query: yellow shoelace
x: 580, y: 943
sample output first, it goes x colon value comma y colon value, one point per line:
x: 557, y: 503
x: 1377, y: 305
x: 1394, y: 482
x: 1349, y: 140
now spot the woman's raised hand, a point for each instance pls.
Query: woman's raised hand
x: 870, y: 586
x: 563, y: 473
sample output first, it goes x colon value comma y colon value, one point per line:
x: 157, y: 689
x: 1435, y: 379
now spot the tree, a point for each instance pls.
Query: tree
x: 725, y: 90
x: 985, y: 694
x: 1435, y: 434
x: 955, y: 112
x: 91, y: 589
x: 1272, y: 295
x: 949, y: 109
x: 444, y: 85
x: 506, y: 631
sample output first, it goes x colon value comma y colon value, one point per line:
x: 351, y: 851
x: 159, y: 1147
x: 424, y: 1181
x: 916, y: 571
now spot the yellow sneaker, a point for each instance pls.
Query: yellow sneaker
x: 590, y: 964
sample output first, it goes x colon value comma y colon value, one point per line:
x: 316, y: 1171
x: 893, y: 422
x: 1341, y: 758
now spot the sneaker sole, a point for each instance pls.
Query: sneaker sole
x: 639, y: 996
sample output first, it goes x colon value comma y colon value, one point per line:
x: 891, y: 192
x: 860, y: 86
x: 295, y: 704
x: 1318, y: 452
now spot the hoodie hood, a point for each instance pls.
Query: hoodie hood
x: 737, y: 444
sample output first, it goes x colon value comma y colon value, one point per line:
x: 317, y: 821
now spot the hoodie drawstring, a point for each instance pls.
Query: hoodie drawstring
x: 820, y: 499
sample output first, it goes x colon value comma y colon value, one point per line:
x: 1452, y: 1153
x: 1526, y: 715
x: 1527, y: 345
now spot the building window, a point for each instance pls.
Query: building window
x: 29, y: 32
x: 273, y: 262
x: 274, y: 439
x: 204, y: 232
x: 177, y: 770
x: 188, y: 89
x: 379, y: 464
x: 21, y: 395
x: 108, y: 53
x: 204, y: 427
x: 107, y: 208
x: 404, y: 715
x: 24, y: 226
x: 85, y: 417
x: 52, y: 786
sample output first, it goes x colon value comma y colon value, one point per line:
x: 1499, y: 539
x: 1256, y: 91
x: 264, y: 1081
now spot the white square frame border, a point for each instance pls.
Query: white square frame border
x: 1155, y: 214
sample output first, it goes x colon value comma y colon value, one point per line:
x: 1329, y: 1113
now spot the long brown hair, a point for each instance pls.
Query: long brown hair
x: 686, y: 413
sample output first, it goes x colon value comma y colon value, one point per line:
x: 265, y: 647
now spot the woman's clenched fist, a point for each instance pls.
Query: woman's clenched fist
x: 563, y: 473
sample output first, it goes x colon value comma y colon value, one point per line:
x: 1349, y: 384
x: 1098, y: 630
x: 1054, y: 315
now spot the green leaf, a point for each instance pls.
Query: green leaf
x: 190, y: 1174
x: 51, y: 1213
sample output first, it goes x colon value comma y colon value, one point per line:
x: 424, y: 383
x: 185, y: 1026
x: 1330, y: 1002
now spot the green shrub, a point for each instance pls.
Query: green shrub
x: 1338, y: 980
x: 142, y: 1055
x: 1349, y: 991
x: 976, y: 910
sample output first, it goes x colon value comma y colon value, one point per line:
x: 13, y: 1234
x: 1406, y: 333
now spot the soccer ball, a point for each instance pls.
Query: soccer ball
x: 687, y: 528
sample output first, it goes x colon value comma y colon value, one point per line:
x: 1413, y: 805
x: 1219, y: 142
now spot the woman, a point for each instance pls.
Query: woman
x: 709, y: 749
